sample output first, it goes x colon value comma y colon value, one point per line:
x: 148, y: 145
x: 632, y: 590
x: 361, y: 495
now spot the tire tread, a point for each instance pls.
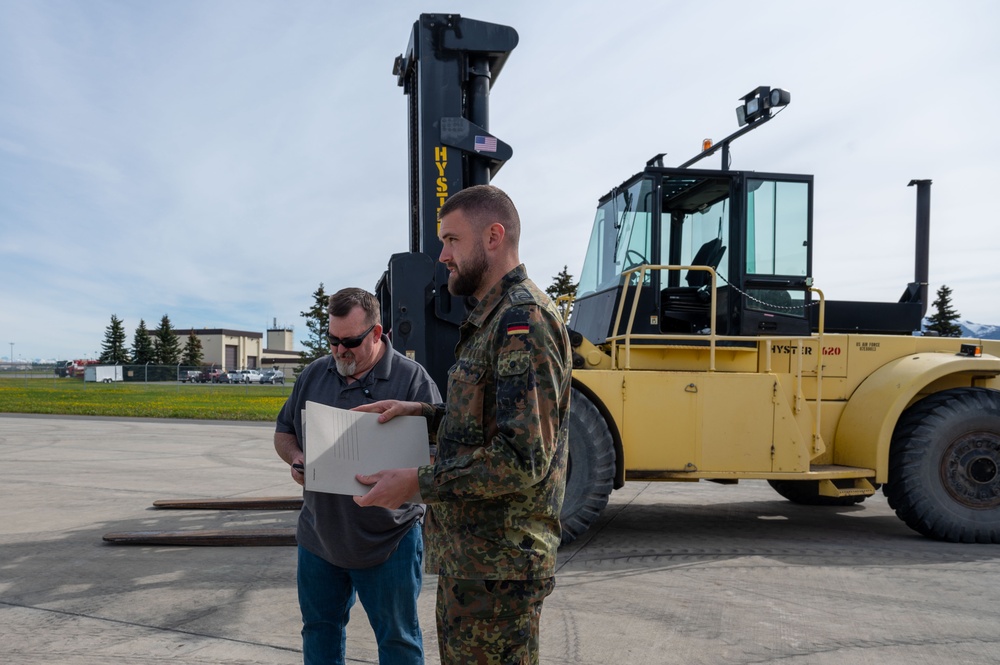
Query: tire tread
x: 914, y: 438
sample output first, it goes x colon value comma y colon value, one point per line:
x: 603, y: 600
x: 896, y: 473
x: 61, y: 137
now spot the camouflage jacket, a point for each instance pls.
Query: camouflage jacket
x: 496, y: 487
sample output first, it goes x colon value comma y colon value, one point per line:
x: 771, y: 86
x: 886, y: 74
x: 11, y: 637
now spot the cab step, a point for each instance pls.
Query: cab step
x: 837, y: 487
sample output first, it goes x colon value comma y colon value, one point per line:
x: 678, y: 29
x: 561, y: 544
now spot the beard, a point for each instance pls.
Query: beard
x: 346, y: 366
x: 465, y: 281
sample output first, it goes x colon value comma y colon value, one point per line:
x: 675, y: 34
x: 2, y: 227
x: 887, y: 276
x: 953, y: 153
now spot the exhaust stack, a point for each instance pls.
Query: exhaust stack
x: 919, y: 290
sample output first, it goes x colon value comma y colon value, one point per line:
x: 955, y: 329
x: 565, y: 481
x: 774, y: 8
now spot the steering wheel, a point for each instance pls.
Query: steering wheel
x: 633, y: 259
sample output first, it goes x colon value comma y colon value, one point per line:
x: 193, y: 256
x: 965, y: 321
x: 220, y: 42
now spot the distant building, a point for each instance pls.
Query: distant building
x: 228, y: 349
x: 279, y: 353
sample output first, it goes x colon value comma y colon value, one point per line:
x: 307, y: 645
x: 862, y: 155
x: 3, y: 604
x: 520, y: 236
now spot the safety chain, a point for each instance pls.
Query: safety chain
x: 761, y: 302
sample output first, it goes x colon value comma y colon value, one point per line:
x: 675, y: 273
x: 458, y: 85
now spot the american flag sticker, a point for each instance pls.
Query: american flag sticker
x: 518, y: 329
x: 486, y: 144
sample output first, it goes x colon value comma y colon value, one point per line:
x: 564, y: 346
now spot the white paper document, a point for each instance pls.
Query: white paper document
x: 341, y: 443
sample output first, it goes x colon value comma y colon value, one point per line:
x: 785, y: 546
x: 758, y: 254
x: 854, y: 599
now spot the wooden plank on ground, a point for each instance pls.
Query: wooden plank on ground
x: 207, y: 537
x: 233, y: 503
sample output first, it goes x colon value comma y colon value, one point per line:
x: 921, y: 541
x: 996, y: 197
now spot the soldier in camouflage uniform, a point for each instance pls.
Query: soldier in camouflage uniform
x: 496, y: 487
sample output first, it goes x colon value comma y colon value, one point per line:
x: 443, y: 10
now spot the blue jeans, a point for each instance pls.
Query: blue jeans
x: 388, y: 594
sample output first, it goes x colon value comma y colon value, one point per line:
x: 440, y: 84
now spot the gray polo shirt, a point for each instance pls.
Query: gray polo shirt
x: 332, y: 526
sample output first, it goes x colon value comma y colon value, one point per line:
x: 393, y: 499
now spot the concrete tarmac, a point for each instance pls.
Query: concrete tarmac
x: 672, y: 573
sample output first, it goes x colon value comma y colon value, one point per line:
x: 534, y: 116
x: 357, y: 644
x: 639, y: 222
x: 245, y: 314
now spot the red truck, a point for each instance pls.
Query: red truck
x: 75, y: 367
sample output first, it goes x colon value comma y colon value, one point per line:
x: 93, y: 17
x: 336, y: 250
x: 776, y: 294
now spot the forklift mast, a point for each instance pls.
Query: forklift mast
x: 447, y: 72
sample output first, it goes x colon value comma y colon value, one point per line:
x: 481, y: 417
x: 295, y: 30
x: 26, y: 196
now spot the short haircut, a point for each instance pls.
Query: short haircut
x: 344, y: 301
x: 483, y: 205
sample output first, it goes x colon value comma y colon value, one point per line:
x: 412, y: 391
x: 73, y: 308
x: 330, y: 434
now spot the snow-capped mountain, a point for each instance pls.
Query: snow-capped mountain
x: 974, y: 330
x: 979, y: 330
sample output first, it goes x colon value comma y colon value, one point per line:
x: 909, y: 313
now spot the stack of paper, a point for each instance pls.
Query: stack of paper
x: 340, y: 444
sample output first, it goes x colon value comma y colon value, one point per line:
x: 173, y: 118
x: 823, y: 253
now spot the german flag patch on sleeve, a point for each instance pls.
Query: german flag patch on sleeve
x: 518, y: 329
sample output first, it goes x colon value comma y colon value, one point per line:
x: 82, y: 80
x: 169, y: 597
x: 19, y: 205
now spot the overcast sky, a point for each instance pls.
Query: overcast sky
x: 216, y: 160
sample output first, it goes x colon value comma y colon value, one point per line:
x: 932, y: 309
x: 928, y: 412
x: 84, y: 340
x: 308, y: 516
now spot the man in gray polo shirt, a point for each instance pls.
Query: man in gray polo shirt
x: 344, y: 549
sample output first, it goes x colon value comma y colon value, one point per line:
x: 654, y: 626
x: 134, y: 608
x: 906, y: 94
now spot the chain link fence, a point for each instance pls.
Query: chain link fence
x: 147, y: 373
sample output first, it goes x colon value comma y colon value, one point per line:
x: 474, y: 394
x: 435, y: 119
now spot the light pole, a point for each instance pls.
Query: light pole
x: 11, y: 354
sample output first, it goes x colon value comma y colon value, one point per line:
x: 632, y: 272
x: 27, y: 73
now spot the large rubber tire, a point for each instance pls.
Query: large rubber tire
x: 591, y: 468
x: 806, y: 493
x: 944, y: 466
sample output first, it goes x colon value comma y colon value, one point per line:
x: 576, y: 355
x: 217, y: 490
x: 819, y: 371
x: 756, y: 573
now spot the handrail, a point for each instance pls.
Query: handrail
x: 819, y: 367
x: 628, y: 336
x: 713, y: 338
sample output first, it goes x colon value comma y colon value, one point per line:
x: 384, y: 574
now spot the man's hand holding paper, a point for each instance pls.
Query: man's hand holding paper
x: 342, y: 446
x: 389, y: 488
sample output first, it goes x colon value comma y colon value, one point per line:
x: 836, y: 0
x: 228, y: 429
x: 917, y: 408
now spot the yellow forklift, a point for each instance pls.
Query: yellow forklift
x: 702, y: 349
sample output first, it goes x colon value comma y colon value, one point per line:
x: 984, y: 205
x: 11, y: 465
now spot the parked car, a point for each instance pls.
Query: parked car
x: 232, y: 376
x: 272, y: 376
x: 209, y: 375
x: 189, y: 375
x: 250, y: 376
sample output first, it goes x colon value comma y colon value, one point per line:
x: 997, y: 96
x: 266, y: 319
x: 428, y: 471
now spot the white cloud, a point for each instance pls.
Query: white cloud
x: 216, y: 161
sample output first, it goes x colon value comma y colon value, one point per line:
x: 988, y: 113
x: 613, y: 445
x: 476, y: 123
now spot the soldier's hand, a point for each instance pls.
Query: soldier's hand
x: 390, y: 408
x: 390, y: 489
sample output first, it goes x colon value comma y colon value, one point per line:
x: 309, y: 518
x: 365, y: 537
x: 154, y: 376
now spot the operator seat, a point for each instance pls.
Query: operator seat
x: 709, y: 254
x: 686, y: 309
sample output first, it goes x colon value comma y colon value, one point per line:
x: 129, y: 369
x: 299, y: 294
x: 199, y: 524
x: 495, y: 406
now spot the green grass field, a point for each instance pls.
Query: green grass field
x: 142, y: 400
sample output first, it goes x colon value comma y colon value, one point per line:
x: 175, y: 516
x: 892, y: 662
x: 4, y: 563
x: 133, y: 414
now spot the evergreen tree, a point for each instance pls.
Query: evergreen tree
x: 142, y: 345
x: 113, y: 350
x: 193, y: 354
x: 562, y: 285
x: 942, y: 321
x: 166, y: 345
x: 318, y: 323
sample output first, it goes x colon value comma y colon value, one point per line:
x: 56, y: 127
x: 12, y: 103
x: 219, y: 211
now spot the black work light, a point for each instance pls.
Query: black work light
x: 780, y: 97
x: 758, y: 103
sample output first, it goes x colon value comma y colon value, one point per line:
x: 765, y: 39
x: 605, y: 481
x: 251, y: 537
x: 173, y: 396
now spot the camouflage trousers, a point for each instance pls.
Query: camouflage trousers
x: 490, y: 622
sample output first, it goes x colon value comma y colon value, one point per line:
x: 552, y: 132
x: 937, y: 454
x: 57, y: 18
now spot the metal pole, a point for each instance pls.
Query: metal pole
x: 923, y: 241
x: 479, y: 113
x: 724, y: 144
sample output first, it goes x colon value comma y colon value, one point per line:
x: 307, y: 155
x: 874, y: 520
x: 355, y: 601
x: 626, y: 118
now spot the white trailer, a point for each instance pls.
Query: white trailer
x: 103, y: 373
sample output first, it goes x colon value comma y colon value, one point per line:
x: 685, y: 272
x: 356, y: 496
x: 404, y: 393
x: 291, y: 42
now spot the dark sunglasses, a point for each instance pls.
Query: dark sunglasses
x: 349, y: 342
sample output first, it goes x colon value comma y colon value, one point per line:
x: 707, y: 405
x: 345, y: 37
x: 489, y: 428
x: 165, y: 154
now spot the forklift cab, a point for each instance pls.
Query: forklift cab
x: 753, y: 229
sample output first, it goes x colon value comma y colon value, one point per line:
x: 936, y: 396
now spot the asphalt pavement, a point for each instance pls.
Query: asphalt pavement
x: 672, y: 573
